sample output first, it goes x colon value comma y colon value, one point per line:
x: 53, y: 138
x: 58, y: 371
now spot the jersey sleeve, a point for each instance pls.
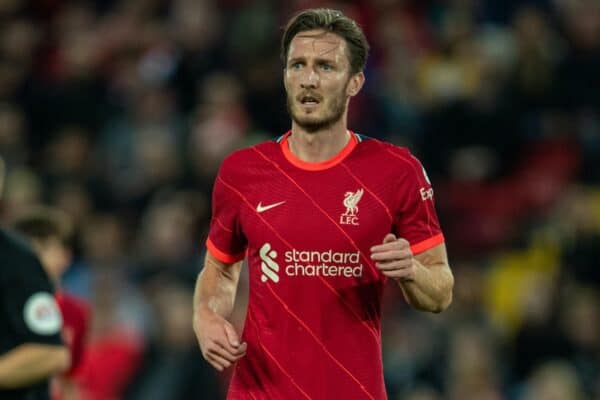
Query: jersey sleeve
x: 226, y: 241
x: 416, y: 219
x: 76, y: 321
x: 30, y: 307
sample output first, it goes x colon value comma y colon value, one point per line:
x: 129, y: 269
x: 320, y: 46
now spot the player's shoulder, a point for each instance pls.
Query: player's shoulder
x: 15, y: 249
x: 19, y: 262
x: 386, y: 152
x: 239, y: 160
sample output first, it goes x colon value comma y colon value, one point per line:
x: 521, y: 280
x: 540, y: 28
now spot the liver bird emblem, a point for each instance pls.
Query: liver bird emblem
x: 351, y: 200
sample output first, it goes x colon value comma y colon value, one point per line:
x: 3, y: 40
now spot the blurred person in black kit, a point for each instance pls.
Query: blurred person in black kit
x: 31, y: 349
x: 50, y: 233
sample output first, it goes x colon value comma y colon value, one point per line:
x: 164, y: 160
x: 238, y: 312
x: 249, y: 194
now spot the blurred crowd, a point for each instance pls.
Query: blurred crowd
x: 119, y: 112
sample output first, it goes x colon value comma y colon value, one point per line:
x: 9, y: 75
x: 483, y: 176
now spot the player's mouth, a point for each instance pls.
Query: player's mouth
x: 309, y: 100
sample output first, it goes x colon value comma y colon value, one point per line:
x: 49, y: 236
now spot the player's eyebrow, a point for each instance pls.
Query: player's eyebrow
x: 318, y: 60
x: 296, y: 59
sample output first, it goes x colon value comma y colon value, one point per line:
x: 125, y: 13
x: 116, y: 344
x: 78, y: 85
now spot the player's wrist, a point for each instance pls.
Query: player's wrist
x: 411, y: 272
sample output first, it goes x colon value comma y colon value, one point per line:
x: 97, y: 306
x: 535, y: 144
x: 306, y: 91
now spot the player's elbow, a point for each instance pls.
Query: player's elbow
x: 446, y: 299
x: 444, y: 304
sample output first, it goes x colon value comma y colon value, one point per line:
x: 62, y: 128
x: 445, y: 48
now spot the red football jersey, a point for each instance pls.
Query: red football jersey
x: 76, y: 320
x: 313, y: 321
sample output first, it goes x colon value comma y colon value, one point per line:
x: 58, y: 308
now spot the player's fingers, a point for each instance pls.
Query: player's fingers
x: 226, y: 355
x: 238, y: 352
x: 391, y: 255
x: 210, y: 358
x: 219, y: 362
x: 215, y: 365
x: 403, y: 242
x: 242, y: 349
x: 390, y: 237
x: 223, y: 340
x: 392, y: 265
x: 399, y: 244
x: 222, y: 352
x: 220, y: 344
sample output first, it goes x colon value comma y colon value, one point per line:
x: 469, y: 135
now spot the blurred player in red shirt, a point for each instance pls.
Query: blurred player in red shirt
x: 325, y: 217
x: 50, y: 233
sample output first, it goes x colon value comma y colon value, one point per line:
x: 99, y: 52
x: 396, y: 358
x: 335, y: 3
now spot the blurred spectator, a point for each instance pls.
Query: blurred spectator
x: 13, y: 135
x: 422, y: 393
x: 50, y: 233
x: 170, y: 367
x: 555, y: 380
x: 473, y: 365
x: 218, y: 126
x: 167, y: 240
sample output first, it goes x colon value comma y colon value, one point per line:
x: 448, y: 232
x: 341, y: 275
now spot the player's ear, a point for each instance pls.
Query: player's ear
x: 355, y: 84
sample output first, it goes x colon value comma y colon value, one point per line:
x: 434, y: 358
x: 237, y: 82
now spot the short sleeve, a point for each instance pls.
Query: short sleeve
x: 30, y: 307
x: 226, y: 241
x: 76, y: 320
x: 416, y: 219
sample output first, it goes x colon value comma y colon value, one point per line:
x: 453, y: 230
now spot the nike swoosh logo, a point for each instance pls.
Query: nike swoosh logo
x: 260, y: 208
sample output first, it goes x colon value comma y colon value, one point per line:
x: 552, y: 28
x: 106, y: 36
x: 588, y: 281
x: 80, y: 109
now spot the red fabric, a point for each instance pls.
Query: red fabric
x: 76, y: 321
x: 110, y: 363
x: 313, y: 322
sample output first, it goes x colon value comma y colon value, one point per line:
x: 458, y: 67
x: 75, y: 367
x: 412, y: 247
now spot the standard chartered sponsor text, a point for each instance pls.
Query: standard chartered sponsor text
x: 326, y: 263
x: 311, y: 263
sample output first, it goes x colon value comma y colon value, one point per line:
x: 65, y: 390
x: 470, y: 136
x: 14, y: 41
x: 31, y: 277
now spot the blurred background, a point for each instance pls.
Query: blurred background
x: 119, y: 113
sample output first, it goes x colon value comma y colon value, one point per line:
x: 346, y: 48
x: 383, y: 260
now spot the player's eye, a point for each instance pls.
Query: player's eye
x: 326, y: 67
x: 296, y: 65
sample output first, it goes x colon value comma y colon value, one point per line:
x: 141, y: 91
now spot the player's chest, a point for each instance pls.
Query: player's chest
x: 317, y: 207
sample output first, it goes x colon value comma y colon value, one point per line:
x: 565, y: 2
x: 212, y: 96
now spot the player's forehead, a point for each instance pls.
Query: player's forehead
x: 317, y: 43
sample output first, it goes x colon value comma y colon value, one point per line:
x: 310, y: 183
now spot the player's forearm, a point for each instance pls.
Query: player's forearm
x: 216, y: 288
x: 30, y: 363
x: 431, y: 289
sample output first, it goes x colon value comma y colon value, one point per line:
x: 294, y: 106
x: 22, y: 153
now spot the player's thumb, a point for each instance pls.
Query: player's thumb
x: 390, y: 237
x: 232, y: 335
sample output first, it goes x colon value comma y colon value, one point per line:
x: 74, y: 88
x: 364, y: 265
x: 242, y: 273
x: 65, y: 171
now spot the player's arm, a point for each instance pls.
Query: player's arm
x: 214, y: 298
x: 430, y: 286
x: 34, y: 317
x: 32, y: 362
x: 425, y: 279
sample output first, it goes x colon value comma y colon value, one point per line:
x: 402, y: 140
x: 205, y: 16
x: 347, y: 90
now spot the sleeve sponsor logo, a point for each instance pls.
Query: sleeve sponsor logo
x: 41, y: 314
x: 426, y: 194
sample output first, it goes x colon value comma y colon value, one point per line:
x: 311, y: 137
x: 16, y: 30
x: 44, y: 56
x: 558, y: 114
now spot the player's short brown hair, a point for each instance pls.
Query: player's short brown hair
x: 44, y: 223
x: 333, y: 21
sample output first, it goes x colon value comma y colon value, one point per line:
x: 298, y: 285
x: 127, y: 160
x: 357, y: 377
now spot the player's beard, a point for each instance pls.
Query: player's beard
x: 334, y: 110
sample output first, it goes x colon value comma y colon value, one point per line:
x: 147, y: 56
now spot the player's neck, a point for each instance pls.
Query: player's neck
x: 318, y: 146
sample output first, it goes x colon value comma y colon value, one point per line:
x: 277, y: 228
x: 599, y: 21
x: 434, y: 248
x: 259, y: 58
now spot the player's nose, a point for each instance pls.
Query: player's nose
x: 310, y: 79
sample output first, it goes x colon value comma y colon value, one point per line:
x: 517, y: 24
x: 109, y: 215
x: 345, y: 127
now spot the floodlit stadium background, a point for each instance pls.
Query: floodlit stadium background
x: 119, y: 112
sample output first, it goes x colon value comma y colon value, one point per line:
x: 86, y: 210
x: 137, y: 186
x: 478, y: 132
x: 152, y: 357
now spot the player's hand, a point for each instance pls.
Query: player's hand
x: 394, y: 258
x: 219, y: 342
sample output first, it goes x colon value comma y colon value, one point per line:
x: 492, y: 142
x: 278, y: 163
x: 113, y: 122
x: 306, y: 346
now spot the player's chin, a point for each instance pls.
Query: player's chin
x: 308, y: 118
